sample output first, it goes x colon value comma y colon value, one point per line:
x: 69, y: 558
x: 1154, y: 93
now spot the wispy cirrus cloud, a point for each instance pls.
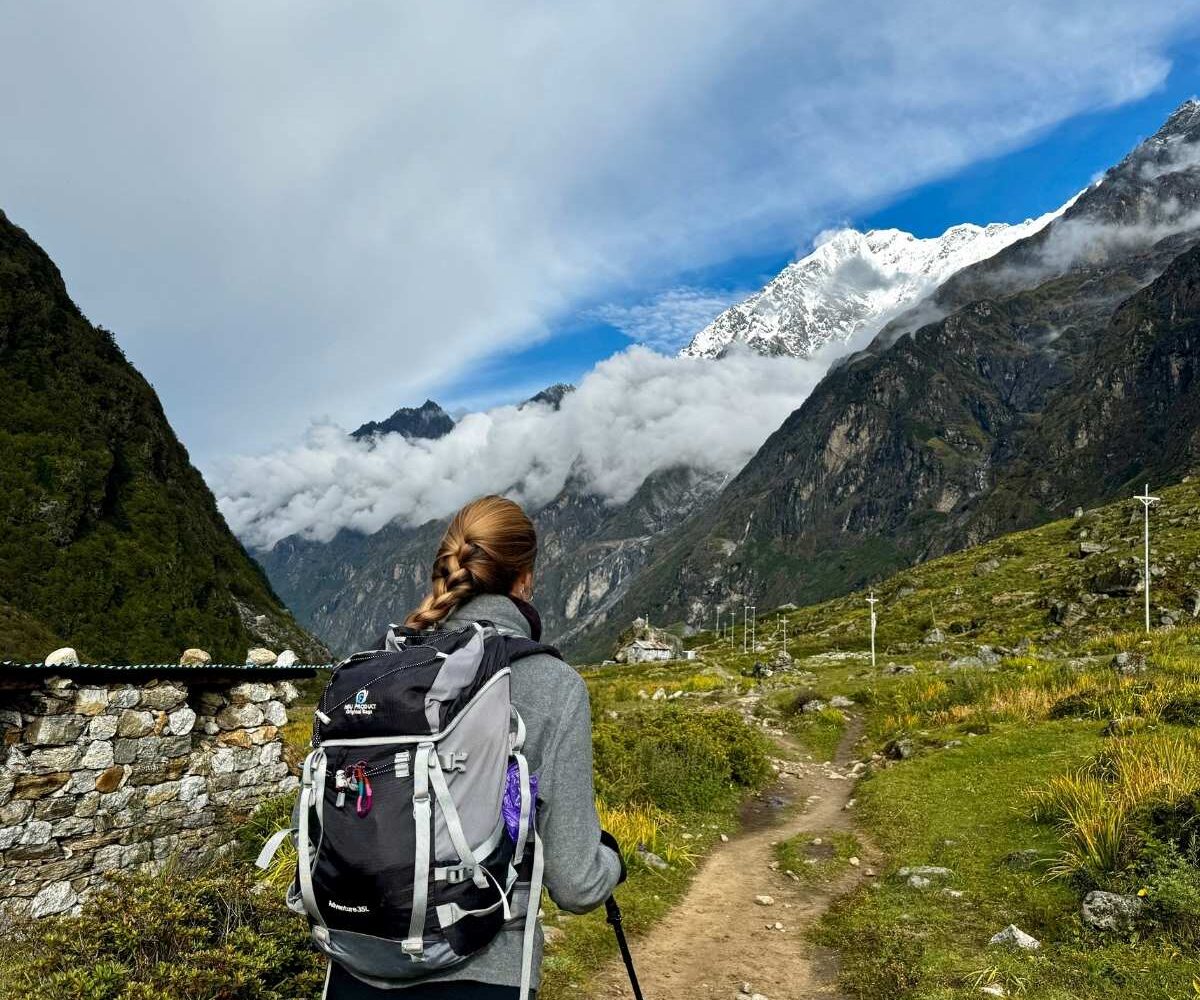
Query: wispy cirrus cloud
x: 671, y: 318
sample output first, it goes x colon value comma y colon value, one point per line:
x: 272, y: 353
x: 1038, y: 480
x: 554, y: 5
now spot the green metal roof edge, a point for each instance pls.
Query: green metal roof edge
x: 159, y: 669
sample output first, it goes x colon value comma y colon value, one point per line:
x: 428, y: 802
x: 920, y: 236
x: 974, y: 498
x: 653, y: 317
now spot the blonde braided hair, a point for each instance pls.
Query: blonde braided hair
x: 486, y: 548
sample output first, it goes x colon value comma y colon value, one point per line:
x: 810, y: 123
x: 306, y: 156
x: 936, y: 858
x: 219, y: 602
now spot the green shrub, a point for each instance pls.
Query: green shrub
x: 890, y: 964
x: 201, y: 935
x: 1077, y: 706
x: 274, y: 814
x: 1172, y: 892
x: 678, y: 759
x: 1182, y: 711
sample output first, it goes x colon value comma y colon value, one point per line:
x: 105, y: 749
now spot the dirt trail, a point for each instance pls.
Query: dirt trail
x: 717, y: 938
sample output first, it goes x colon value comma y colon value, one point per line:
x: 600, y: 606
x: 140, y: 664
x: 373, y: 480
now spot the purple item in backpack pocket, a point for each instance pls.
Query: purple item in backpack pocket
x: 510, y: 807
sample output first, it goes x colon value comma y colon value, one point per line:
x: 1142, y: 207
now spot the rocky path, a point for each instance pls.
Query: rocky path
x: 719, y: 942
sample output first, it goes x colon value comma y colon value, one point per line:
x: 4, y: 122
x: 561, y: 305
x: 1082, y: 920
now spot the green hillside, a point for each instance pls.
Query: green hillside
x: 1061, y: 585
x: 109, y: 538
x: 1039, y: 746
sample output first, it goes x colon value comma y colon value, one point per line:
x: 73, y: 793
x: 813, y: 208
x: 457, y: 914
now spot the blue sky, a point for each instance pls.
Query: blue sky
x: 1018, y: 185
x: 289, y: 212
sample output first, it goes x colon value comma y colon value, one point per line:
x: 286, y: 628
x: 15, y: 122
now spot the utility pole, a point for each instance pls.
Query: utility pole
x: 1147, y: 502
x: 872, y: 601
x: 754, y: 628
x: 745, y: 625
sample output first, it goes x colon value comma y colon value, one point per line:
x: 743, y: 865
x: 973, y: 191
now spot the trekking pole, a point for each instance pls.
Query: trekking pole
x: 614, y: 917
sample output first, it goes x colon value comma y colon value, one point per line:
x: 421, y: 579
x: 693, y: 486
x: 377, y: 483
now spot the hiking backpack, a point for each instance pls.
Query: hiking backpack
x: 416, y: 814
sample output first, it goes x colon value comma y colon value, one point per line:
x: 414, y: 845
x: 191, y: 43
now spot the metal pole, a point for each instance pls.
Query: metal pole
x: 745, y: 625
x: 1147, y: 500
x: 872, y: 601
x: 614, y: 919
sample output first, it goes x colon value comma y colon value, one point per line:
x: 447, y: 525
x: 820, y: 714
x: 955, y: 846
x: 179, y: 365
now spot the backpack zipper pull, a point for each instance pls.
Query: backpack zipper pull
x: 362, y: 784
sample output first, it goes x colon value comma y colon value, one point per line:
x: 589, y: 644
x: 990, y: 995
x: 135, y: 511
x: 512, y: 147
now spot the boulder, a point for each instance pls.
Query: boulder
x: 194, y: 657
x: 259, y: 657
x: 239, y: 717
x: 54, y: 730
x: 1067, y: 613
x: 54, y: 898
x: 241, y: 694
x: 934, y: 637
x: 1110, y: 911
x: 899, y: 749
x: 924, y: 871
x: 133, y: 724
x: 1013, y: 937
x: 841, y: 701
x: 1129, y: 663
x: 91, y: 701
x: 287, y: 658
x: 63, y: 657
x: 651, y: 860
x: 900, y: 668
x: 181, y: 722
x: 967, y: 663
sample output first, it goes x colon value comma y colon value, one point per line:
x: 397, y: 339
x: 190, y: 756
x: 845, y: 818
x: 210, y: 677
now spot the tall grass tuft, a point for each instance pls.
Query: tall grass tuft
x: 635, y: 825
x: 1097, y: 806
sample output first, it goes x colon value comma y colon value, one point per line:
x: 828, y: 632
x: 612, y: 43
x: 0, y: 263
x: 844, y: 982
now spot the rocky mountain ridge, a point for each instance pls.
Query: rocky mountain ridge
x: 427, y: 421
x: 850, y: 286
x: 1058, y: 372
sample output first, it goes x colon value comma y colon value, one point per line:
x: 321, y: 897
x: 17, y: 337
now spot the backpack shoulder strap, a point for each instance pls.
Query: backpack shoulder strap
x: 519, y: 647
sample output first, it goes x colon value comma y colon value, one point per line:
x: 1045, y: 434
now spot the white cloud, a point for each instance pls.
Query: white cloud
x: 671, y: 318
x: 635, y: 413
x: 291, y: 208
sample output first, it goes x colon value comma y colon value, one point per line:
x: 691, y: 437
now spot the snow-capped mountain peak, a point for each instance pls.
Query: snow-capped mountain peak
x: 852, y: 284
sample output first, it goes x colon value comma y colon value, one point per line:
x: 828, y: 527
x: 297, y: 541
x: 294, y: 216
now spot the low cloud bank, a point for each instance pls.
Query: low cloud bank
x: 635, y: 413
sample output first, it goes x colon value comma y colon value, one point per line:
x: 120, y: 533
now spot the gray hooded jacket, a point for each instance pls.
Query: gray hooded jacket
x: 580, y: 872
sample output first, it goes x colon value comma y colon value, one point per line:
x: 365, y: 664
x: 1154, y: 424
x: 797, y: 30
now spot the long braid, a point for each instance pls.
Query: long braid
x: 488, y: 544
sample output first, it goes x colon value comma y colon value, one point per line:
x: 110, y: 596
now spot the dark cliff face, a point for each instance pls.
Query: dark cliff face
x: 1057, y: 372
x: 425, y: 421
x: 109, y: 538
x: 348, y: 589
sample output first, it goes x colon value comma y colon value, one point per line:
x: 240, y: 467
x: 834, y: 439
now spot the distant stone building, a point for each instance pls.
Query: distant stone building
x: 641, y: 643
x: 115, y: 767
x: 647, y: 650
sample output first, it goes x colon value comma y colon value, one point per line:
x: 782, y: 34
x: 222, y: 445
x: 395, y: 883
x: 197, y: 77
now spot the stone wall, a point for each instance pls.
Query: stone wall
x: 100, y: 776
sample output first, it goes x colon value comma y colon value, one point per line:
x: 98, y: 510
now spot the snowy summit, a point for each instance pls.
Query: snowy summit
x: 852, y: 284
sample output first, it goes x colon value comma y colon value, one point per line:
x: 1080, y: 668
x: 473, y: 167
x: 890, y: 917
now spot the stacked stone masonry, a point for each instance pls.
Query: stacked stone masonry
x: 97, y: 777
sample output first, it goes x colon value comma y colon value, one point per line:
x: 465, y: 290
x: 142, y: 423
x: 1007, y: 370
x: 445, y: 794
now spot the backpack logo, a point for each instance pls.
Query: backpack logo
x: 360, y: 705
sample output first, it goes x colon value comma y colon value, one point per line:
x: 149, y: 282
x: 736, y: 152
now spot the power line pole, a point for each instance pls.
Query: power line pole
x: 1147, y: 501
x: 872, y: 601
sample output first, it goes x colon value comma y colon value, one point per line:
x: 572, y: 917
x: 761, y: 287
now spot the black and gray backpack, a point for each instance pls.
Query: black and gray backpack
x: 416, y: 816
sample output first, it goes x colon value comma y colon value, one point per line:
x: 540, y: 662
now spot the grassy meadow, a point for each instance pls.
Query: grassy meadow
x: 1021, y: 731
